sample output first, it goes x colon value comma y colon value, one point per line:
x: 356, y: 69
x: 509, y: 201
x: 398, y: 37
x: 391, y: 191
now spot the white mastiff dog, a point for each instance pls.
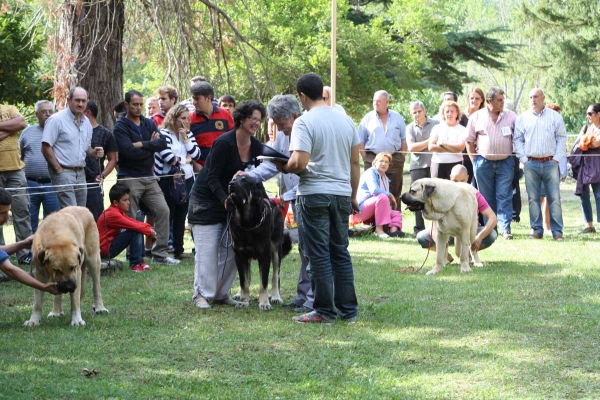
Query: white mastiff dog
x: 453, y: 207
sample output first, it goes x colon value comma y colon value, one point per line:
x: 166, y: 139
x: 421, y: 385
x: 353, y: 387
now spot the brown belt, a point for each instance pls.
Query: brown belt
x: 72, y: 168
x: 542, y: 159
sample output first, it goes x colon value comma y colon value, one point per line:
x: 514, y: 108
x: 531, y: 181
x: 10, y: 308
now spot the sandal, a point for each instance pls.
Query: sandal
x: 383, y: 235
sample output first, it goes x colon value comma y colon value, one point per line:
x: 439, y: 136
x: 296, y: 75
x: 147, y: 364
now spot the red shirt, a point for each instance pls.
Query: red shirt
x: 112, y: 222
x: 158, y: 119
x: 206, y: 130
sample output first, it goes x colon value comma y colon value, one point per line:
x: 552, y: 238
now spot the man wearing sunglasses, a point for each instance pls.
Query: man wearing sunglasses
x: 540, y: 142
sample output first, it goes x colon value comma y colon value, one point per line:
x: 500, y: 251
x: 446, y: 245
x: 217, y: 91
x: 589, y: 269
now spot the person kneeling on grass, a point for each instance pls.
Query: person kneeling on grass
x: 486, y: 235
x: 118, y: 230
x: 6, y: 266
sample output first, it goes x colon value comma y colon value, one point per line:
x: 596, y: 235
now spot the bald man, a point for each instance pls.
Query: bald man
x: 486, y: 235
x: 540, y: 142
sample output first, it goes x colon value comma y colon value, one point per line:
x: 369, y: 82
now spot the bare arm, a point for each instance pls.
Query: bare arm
x: 111, y: 164
x: 417, y: 146
x: 471, y: 150
x: 13, y: 125
x: 404, y: 147
x: 455, y: 147
x: 11, y: 249
x: 23, y: 277
x: 492, y: 220
x: 297, y: 163
x: 48, y: 153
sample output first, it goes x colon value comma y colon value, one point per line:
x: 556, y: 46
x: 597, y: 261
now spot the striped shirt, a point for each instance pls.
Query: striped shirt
x: 36, y: 166
x: 493, y: 140
x: 176, y: 149
x: 540, y: 135
x: 377, y: 139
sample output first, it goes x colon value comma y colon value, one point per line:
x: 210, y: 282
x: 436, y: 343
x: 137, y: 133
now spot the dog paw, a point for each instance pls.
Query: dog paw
x: 478, y: 265
x: 54, y: 314
x: 242, y: 304
x: 237, y: 296
x: 465, y: 269
x: 31, y: 323
x: 276, y: 300
x: 434, y: 271
x: 77, y: 322
x: 100, y: 310
x: 265, y: 307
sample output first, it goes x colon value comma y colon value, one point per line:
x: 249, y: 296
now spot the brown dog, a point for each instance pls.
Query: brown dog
x: 65, y: 244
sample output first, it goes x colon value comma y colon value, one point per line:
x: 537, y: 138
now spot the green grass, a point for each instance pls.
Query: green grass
x: 523, y: 327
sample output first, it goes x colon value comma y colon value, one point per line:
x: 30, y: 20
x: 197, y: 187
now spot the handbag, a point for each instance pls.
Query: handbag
x: 177, y: 186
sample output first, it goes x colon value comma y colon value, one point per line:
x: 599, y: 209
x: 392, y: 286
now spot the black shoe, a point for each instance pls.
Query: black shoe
x: 302, y: 309
x: 291, y: 304
x: 398, y: 234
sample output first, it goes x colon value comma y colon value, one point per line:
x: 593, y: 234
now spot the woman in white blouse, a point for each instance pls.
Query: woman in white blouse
x: 181, y: 150
x: 447, y: 141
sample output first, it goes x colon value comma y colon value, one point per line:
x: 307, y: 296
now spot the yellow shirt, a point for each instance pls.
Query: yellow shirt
x: 10, y: 154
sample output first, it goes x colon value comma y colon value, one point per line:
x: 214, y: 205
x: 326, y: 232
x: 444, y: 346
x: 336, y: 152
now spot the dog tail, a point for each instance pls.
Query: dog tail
x: 286, y: 244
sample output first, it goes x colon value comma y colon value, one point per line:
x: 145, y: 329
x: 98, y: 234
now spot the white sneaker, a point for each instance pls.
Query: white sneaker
x: 168, y: 260
x: 201, y: 302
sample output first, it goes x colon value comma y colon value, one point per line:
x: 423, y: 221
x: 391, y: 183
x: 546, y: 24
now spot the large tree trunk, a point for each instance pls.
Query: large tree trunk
x: 90, y: 53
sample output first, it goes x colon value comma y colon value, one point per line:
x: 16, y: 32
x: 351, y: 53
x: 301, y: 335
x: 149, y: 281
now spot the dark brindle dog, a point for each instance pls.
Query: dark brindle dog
x: 257, y: 233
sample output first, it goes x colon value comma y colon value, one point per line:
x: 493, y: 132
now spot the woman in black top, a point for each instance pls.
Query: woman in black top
x: 234, y: 151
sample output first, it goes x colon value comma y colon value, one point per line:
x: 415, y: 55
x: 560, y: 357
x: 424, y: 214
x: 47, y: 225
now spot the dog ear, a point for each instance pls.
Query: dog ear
x: 41, y: 256
x: 428, y: 190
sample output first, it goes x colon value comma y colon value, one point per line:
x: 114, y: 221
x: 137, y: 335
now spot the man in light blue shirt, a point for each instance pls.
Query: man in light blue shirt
x: 540, y: 143
x: 384, y: 130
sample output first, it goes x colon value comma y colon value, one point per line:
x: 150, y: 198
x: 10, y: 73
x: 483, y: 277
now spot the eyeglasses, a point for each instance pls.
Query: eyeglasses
x: 255, y: 120
x: 589, y: 114
x: 49, y: 112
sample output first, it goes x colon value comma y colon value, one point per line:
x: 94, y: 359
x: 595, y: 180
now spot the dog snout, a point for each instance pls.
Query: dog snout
x: 66, y: 286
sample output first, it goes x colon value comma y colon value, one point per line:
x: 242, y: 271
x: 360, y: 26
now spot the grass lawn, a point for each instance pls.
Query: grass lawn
x: 523, y: 327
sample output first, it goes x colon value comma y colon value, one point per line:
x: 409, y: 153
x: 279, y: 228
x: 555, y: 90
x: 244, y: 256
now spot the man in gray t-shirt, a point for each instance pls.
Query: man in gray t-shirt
x: 417, y: 140
x: 325, y: 148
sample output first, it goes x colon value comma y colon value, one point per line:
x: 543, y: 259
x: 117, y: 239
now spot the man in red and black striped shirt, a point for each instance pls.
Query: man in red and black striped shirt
x: 209, y: 121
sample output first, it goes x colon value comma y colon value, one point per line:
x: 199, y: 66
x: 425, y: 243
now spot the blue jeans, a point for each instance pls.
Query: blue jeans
x: 537, y: 174
x: 323, y: 230
x: 41, y: 194
x: 494, y: 181
x: 134, y: 240
x: 586, y: 206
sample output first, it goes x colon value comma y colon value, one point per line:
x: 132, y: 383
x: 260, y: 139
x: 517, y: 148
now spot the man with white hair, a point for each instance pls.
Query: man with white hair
x: 540, y: 143
x: 41, y: 191
x: 384, y: 130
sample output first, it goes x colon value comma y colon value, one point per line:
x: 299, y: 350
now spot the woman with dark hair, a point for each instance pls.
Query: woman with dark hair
x: 447, y: 141
x: 234, y: 151
x: 588, y: 168
x: 177, y: 158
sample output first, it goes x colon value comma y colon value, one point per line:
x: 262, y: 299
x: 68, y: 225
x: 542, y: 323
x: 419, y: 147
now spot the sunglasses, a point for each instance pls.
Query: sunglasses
x: 589, y: 114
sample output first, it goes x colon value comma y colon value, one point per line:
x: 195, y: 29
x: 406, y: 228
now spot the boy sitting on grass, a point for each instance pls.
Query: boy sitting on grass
x: 118, y: 230
x: 6, y: 266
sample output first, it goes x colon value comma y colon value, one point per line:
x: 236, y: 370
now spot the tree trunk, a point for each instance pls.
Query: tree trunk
x: 102, y: 72
x: 90, y: 53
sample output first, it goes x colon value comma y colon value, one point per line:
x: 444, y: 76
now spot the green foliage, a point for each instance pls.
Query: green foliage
x: 568, y: 63
x: 20, y: 48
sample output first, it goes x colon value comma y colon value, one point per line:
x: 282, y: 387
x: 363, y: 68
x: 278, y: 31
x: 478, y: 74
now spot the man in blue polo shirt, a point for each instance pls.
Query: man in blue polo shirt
x: 5, y: 265
x: 384, y: 130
